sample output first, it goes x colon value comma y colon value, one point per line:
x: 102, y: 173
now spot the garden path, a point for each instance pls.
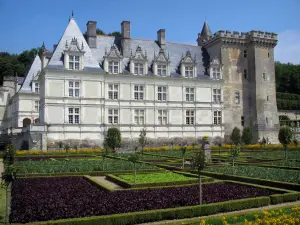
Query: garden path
x: 102, y: 179
x: 192, y: 220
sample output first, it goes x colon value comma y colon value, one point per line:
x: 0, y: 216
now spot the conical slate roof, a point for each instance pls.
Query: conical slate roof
x: 205, y: 30
x: 72, y: 31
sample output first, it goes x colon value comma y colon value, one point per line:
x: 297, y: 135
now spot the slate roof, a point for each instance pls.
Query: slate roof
x: 93, y: 57
x: 33, y: 71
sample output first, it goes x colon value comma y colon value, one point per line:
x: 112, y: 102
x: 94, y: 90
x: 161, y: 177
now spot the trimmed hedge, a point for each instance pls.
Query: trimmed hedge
x: 287, y: 197
x: 287, y: 96
x: 264, y: 182
x: 284, y: 104
x: 164, y: 214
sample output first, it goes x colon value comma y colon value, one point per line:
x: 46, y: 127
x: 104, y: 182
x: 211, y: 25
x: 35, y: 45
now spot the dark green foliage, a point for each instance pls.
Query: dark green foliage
x: 285, y: 136
x: 142, y: 138
x: 99, y: 31
x: 247, y: 136
x: 113, y: 138
x: 287, y: 197
x: 295, y: 142
x: 9, y: 175
x: 235, y: 136
x: 115, y: 34
x: 234, y: 152
x: 9, y: 154
x: 287, y: 78
x: 284, y: 117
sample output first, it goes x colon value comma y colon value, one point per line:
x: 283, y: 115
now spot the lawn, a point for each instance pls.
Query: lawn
x: 291, y: 176
x: 155, y: 177
x: 77, y: 165
x: 40, y: 199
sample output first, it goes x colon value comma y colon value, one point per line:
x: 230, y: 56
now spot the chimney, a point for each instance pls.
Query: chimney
x: 161, y: 38
x: 125, y: 29
x: 91, y: 34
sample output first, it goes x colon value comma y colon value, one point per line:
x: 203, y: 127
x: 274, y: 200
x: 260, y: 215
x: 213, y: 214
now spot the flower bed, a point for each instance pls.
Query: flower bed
x: 54, y: 152
x: 259, y: 172
x: 46, y: 157
x: 78, y: 165
x: 40, y: 199
x: 155, y: 177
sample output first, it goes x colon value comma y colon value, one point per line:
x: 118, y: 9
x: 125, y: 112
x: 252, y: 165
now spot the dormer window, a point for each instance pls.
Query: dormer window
x: 216, y: 73
x: 73, y: 62
x: 138, y: 62
x: 188, y: 67
x: 215, y: 69
x: 161, y: 70
x: 138, y: 68
x: 36, y: 87
x: 189, y: 71
x: 161, y: 64
x: 113, y: 67
x: 113, y: 61
x: 73, y: 55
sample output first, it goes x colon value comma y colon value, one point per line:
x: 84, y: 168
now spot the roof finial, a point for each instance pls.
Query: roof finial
x: 82, y: 47
x: 72, y: 14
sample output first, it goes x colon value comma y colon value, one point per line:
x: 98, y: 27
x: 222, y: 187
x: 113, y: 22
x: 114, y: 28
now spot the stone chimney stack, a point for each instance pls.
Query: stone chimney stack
x: 91, y: 34
x: 125, y: 29
x: 161, y: 38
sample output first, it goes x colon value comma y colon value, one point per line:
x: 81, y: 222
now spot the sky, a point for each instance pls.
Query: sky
x: 27, y: 24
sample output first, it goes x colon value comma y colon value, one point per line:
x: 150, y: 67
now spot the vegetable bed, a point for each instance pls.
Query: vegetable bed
x: 78, y: 165
x: 276, y: 174
x: 40, y: 199
x: 155, y: 177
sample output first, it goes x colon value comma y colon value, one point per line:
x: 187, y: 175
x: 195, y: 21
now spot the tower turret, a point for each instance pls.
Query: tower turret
x: 205, y: 34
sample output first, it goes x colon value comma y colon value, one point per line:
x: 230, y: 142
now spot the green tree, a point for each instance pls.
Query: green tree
x: 9, y: 154
x: 113, y: 138
x: 183, y: 153
x: 134, y: 158
x: 295, y: 142
x: 115, y: 34
x: 235, y: 136
x: 285, y: 137
x: 247, y: 136
x: 284, y: 117
x: 198, y: 162
x: 234, y: 152
x: 99, y: 31
x: 143, y: 138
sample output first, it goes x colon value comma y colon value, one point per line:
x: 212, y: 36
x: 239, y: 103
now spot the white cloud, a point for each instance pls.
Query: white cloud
x: 288, y: 47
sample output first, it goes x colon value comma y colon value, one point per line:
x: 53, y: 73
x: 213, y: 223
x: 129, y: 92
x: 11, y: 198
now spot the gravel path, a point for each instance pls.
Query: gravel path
x: 102, y: 179
x: 191, y: 220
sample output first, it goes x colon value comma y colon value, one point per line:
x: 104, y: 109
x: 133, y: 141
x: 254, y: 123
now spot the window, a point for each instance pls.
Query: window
x: 113, y: 67
x: 216, y: 73
x: 162, y: 93
x: 267, y: 120
x: 189, y: 94
x: 268, y: 54
x: 73, y: 115
x: 245, y: 74
x: 162, y: 117
x: 267, y: 97
x: 217, y: 95
x: 217, y: 117
x: 138, y: 68
x: 237, y: 97
x: 138, y: 92
x: 189, y: 71
x: 36, y: 87
x: 245, y: 53
x: 113, y: 91
x: 189, y: 117
x: 73, y: 62
x: 37, y: 106
x: 73, y: 88
x: 162, y: 70
x: 139, y: 116
x: 113, y: 116
x: 242, y: 121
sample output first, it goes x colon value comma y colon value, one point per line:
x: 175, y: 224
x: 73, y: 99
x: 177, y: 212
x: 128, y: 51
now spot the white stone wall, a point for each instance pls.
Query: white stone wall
x: 94, y: 103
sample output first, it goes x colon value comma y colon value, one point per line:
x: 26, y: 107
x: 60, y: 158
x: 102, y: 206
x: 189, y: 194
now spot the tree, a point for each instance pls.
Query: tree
x: 236, y: 136
x: 99, y: 31
x: 106, y: 151
x: 247, y: 136
x: 115, y: 34
x: 113, y: 138
x: 295, y: 142
x: 198, y: 162
x: 284, y: 117
x: 142, y: 138
x: 183, y: 152
x: 285, y: 137
x: 8, y: 177
x: 9, y: 154
x: 218, y: 141
x: 234, y: 152
x: 134, y: 158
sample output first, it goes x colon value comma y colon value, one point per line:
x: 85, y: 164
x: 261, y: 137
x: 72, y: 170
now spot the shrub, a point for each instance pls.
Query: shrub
x: 9, y: 154
x: 284, y: 117
x: 142, y: 138
x: 113, y: 138
x: 236, y: 136
x: 247, y: 136
x: 285, y: 137
x: 234, y: 152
